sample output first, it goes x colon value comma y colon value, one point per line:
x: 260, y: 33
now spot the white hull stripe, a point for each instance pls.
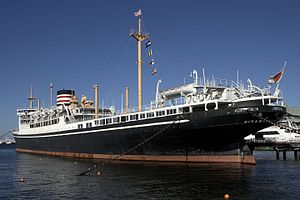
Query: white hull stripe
x: 107, y: 129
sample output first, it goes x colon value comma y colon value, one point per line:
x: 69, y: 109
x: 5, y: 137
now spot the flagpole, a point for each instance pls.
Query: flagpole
x: 277, y: 86
x: 282, y: 74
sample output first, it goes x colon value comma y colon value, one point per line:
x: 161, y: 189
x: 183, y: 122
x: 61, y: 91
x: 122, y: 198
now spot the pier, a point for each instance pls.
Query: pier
x: 295, y: 147
x: 279, y: 147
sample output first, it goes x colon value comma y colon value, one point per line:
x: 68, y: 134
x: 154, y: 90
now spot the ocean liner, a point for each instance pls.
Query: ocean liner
x: 202, y: 121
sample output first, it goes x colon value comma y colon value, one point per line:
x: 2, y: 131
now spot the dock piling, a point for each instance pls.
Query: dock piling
x: 277, y: 155
x: 284, y: 154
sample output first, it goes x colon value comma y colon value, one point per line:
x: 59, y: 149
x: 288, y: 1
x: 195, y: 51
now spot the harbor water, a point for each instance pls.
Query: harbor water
x: 27, y: 176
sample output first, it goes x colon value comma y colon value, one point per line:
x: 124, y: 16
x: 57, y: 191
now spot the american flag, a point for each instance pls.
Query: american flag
x: 138, y: 13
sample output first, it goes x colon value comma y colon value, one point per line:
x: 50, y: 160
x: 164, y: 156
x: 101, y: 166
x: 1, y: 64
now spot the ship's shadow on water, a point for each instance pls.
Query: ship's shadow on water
x: 46, y: 177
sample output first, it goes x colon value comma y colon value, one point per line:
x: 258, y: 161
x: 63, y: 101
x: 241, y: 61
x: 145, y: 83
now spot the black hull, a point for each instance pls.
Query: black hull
x: 210, y: 136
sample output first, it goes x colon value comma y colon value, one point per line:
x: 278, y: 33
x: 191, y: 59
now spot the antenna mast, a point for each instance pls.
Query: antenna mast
x: 139, y: 37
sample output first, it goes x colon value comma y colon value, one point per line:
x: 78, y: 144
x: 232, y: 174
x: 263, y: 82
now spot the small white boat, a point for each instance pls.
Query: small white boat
x: 285, y: 131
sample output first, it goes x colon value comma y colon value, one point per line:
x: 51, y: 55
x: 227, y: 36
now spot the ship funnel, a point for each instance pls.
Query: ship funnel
x: 64, y: 97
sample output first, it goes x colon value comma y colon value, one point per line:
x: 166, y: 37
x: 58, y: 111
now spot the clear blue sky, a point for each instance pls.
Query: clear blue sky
x: 77, y: 43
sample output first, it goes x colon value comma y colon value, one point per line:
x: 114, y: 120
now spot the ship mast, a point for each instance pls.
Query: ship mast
x: 139, y: 37
x: 51, y: 94
x: 31, y: 98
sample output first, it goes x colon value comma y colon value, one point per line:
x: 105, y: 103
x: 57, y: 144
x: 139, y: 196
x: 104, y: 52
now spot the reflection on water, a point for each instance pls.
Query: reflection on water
x: 55, y: 178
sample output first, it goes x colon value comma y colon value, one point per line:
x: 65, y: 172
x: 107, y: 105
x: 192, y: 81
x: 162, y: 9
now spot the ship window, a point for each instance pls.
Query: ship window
x: 80, y: 126
x: 88, y: 125
x: 55, y: 121
x: 160, y: 113
x: 96, y: 122
x: 108, y: 121
x: 198, y: 108
x: 142, y: 116
x: 150, y: 114
x: 102, y: 122
x: 171, y: 111
x: 116, y: 120
x: 123, y: 118
x: 133, y: 117
x: 186, y: 109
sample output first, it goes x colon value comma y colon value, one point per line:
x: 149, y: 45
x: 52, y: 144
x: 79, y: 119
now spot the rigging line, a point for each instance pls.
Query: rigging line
x: 144, y: 141
x: 143, y: 25
x: 93, y: 76
x: 2, y: 136
x: 197, y: 54
x: 117, y: 70
x: 165, y: 65
x: 169, y: 71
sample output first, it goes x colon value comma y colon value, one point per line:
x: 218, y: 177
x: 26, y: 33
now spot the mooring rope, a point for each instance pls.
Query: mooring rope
x: 144, y: 141
x: 2, y: 136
